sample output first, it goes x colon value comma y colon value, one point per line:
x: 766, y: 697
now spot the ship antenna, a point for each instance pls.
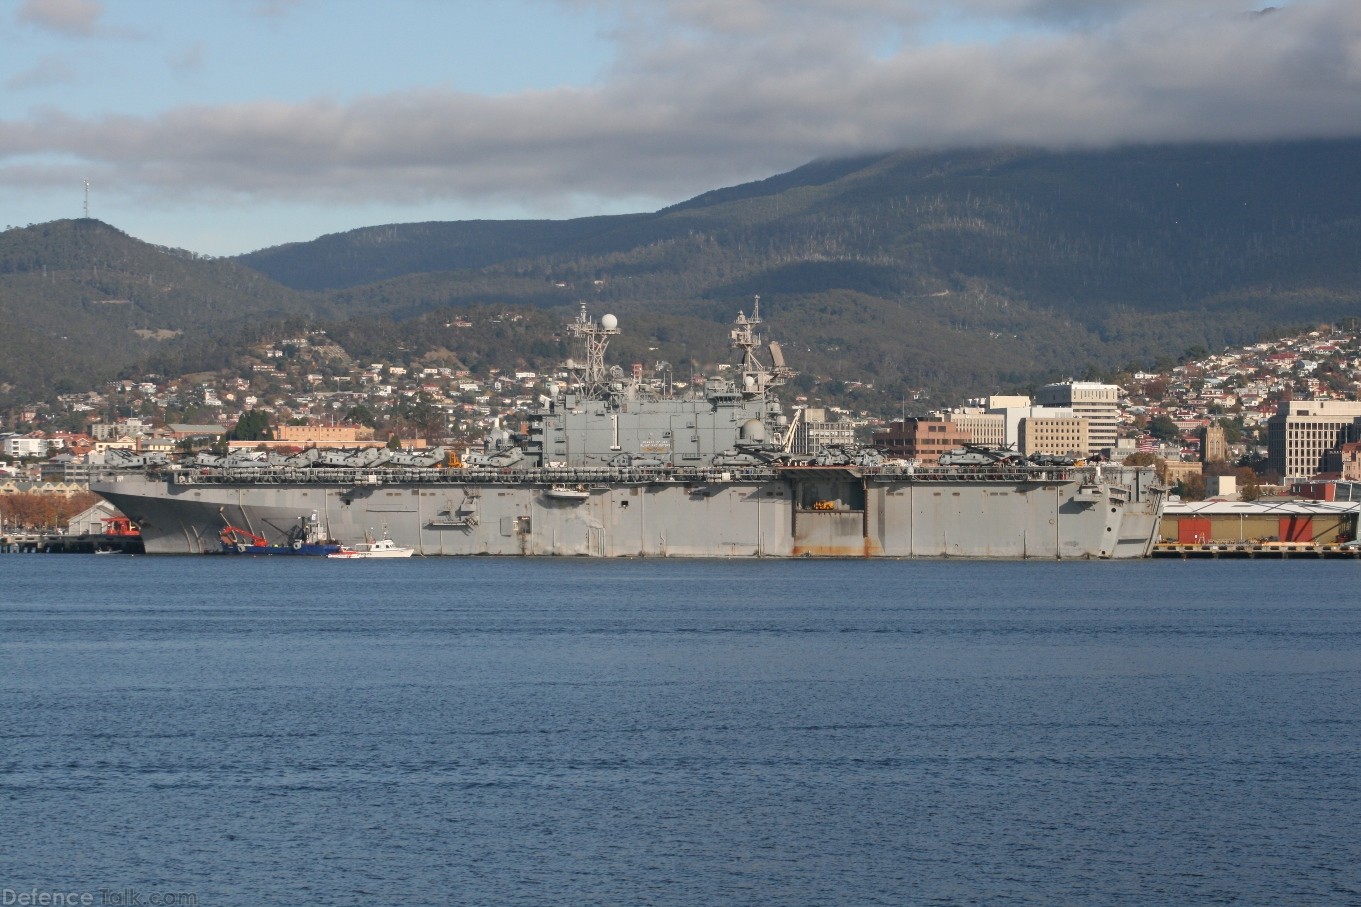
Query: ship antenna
x: 595, y: 338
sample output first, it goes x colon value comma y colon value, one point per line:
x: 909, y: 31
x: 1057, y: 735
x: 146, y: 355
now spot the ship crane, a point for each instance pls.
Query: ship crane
x: 787, y: 443
x: 234, y: 536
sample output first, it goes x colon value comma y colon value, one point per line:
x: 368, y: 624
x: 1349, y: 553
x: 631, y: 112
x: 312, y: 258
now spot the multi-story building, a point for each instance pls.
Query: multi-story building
x: 123, y: 428
x: 1302, y: 431
x: 816, y: 431
x: 923, y: 440
x: 323, y: 433
x: 1012, y: 416
x: 999, y: 402
x: 1174, y: 471
x: 31, y: 445
x: 1345, y: 462
x: 986, y: 429
x: 1058, y: 436
x: 1099, y: 404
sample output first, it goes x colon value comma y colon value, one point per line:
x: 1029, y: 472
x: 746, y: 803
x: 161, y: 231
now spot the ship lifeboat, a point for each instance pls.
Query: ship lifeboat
x: 569, y: 492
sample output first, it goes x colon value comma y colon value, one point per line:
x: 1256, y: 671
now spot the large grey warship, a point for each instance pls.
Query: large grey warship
x: 616, y: 465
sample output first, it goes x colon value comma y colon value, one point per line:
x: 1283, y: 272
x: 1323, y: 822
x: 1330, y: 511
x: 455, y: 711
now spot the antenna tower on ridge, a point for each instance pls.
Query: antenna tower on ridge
x: 87, y: 199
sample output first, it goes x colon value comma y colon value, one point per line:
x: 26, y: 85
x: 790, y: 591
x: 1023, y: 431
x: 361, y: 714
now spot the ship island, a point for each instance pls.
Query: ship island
x: 612, y: 464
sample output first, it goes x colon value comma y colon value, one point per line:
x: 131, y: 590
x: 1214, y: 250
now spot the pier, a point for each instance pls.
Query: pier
x: 57, y: 543
x: 1255, y: 550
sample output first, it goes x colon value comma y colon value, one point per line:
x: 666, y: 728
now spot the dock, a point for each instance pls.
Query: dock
x: 1255, y: 550
x: 57, y: 543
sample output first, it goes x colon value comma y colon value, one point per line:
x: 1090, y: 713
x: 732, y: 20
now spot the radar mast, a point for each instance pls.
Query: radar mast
x: 756, y: 376
x: 591, y: 376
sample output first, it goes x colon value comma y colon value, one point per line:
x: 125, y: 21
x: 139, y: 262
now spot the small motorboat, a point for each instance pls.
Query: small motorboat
x: 384, y: 547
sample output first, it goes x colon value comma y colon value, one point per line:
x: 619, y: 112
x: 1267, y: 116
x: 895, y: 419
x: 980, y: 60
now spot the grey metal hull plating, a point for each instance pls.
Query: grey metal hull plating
x: 818, y: 513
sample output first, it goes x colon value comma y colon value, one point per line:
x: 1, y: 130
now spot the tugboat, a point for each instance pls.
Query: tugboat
x: 306, y: 540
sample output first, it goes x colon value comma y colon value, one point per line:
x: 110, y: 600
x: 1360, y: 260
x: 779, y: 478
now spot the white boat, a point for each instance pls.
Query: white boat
x: 384, y: 547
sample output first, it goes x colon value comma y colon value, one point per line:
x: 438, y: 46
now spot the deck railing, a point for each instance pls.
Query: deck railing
x: 588, y: 476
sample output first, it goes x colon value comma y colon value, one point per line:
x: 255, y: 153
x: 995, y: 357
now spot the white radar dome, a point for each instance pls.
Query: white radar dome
x: 609, y: 322
x: 752, y: 430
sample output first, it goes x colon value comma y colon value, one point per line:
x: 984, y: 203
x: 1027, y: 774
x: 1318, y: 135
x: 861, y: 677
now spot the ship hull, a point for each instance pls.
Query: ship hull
x: 831, y: 512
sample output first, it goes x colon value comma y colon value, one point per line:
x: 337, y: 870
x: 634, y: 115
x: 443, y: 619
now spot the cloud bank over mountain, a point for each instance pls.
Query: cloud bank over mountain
x: 690, y: 95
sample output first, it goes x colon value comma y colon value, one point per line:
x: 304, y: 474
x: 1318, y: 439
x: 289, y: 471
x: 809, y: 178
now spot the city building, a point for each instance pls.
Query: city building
x: 923, y: 440
x: 181, y: 431
x: 1175, y: 471
x: 93, y: 520
x: 1058, y: 436
x: 1303, y: 431
x: 1013, y: 416
x: 1213, y: 447
x: 1099, y: 404
x: 323, y: 433
x: 986, y: 429
x: 816, y: 431
x: 123, y: 428
x: 30, y: 445
x: 1345, y: 462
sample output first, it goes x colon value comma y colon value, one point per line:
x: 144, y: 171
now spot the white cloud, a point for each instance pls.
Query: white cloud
x: 705, y: 93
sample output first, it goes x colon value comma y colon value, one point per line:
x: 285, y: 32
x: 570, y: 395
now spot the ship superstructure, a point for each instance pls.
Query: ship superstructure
x: 616, y: 464
x: 605, y: 417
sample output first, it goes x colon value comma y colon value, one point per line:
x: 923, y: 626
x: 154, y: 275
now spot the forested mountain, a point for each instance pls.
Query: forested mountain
x: 372, y: 254
x: 80, y: 301
x: 946, y: 272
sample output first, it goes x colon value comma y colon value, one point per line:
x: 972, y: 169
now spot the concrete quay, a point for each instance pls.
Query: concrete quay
x: 55, y: 543
x: 1255, y: 550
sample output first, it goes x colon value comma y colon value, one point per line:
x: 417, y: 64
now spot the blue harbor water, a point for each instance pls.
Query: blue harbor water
x: 485, y: 731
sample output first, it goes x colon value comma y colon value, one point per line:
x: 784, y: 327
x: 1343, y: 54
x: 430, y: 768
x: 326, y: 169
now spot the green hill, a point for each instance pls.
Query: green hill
x: 929, y: 273
x: 373, y: 254
x: 952, y: 271
x: 81, y: 301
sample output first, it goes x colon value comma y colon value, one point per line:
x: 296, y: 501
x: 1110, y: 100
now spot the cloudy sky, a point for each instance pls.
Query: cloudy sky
x: 224, y: 126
